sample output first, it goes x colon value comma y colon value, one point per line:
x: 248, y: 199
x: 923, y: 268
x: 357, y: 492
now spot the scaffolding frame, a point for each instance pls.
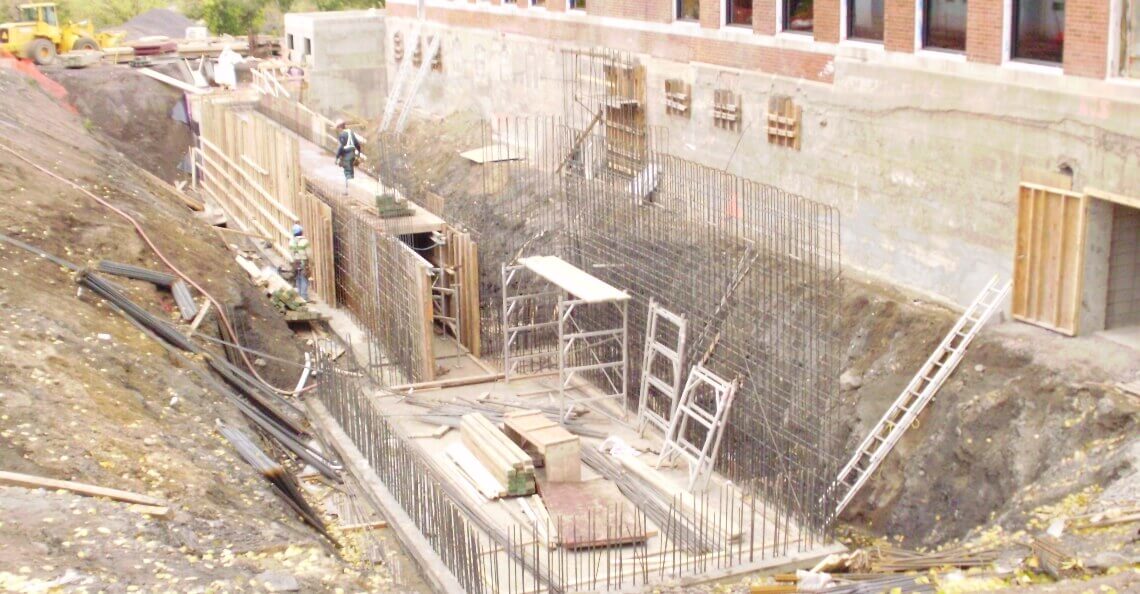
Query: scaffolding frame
x: 601, y: 351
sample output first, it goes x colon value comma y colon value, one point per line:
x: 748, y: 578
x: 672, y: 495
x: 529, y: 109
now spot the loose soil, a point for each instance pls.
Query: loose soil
x: 85, y: 396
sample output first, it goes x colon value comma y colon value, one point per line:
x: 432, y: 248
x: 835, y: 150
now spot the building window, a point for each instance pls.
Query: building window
x: 944, y: 24
x: 865, y: 20
x: 798, y: 15
x: 308, y: 47
x: 577, y: 4
x: 739, y: 12
x: 1038, y: 30
x: 289, y: 40
x: 688, y: 10
x: 539, y: 3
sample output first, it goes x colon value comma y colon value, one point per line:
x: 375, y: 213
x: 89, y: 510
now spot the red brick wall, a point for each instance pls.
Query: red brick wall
x: 899, y: 22
x: 764, y: 16
x: 681, y: 48
x: 827, y: 20
x: 657, y: 11
x: 1086, y: 38
x: 710, y: 13
x: 985, y: 30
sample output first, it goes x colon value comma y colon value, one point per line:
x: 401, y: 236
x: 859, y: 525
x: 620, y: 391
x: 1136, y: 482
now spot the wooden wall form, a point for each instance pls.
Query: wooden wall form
x: 1048, y: 269
x: 386, y: 286
x: 459, y: 255
x: 250, y: 167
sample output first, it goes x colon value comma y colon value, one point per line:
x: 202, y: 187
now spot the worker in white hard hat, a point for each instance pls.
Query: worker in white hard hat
x: 299, y: 248
x: 347, y: 152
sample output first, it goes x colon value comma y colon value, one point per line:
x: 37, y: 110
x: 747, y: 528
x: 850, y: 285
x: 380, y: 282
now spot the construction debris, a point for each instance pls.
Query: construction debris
x: 1054, y: 559
x: 285, y: 483
x: 158, y: 279
x: 28, y: 481
x: 511, y: 466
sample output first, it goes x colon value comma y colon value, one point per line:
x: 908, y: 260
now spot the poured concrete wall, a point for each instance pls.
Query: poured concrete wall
x: 923, y: 162
x: 347, y: 73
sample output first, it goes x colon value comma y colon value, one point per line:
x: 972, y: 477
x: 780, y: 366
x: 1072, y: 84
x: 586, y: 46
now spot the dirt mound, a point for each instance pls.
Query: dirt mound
x: 1028, y: 418
x: 159, y: 21
x: 85, y: 396
x: 133, y: 112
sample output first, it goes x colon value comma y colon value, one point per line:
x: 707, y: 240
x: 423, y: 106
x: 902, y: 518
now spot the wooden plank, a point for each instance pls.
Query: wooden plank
x: 174, y: 82
x: 1129, y: 201
x: 560, y: 450
x: 28, y: 481
x: 573, y: 280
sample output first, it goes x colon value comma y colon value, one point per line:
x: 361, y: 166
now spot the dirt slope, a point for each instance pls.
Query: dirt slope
x: 1029, y: 418
x: 84, y: 396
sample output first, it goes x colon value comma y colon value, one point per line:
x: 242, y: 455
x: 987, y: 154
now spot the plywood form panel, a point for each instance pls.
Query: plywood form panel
x: 1049, y: 259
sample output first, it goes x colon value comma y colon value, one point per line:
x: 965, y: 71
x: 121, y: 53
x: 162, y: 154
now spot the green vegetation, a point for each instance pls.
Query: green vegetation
x: 221, y: 16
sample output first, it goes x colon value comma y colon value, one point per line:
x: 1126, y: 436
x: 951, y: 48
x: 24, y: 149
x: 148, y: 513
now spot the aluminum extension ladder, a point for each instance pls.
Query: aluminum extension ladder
x: 656, y: 353
x: 917, y: 394
x: 402, y: 74
x: 400, y: 96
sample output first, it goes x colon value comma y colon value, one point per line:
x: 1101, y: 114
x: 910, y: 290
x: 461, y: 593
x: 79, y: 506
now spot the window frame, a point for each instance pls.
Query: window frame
x: 1014, y: 25
x: 924, y: 30
x: 848, y: 24
x: 726, y: 15
x: 677, y: 13
x: 785, y: 19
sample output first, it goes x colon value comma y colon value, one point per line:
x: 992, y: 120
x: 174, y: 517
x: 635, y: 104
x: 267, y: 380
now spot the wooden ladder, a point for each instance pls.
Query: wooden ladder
x: 917, y: 394
x: 653, y: 385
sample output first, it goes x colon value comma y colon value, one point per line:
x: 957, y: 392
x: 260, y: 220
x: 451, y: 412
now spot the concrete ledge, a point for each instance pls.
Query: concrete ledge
x: 432, y: 567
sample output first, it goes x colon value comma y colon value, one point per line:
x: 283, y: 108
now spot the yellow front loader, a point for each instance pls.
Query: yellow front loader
x: 38, y: 35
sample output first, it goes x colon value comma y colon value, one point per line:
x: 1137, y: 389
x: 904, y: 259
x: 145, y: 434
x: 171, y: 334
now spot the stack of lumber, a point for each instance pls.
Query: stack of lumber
x: 1055, y: 560
x: 507, y: 462
x: 559, y: 449
x: 891, y: 559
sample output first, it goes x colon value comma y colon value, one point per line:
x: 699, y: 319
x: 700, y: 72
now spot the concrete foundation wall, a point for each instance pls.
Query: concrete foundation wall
x: 347, y: 75
x: 923, y: 163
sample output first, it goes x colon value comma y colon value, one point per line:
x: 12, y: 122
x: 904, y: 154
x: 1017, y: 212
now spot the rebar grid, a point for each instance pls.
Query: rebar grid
x: 665, y: 540
x: 380, y: 280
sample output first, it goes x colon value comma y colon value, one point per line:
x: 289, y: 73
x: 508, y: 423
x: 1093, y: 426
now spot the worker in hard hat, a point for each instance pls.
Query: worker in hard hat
x: 347, y: 151
x: 299, y: 248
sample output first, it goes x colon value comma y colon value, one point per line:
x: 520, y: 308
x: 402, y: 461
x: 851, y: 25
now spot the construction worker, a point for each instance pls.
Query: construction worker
x: 299, y: 248
x: 347, y: 151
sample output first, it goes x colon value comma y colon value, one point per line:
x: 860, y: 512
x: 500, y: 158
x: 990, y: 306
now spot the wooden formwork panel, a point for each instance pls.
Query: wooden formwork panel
x: 1048, y: 268
x: 460, y: 255
x: 316, y: 218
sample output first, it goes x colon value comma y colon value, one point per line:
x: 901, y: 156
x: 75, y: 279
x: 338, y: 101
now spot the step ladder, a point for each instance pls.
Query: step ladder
x: 444, y: 301
x: 657, y: 354
x: 693, y: 407
x: 918, y: 393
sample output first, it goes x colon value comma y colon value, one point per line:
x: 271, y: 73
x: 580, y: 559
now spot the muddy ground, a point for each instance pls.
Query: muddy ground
x: 85, y: 396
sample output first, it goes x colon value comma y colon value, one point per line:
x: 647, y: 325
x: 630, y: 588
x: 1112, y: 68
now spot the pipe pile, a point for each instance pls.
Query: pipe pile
x: 261, y: 405
x: 158, y: 279
x: 273, y: 472
x: 645, y: 499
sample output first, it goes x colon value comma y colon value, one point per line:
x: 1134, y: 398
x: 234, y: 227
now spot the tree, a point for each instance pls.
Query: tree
x: 347, y: 4
x: 234, y: 17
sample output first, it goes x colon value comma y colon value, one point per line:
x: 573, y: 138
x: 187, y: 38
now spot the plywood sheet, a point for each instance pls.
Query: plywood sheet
x: 573, y: 280
x: 585, y: 515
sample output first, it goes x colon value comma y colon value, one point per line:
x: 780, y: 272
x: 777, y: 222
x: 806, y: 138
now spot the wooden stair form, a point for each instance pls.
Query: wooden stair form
x: 507, y: 462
